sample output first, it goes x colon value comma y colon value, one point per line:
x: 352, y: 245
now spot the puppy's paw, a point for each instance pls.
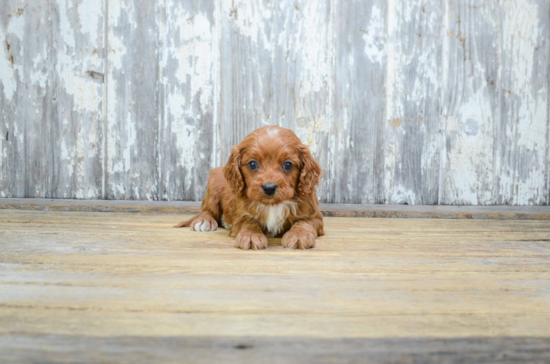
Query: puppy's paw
x: 298, y: 239
x: 204, y: 223
x: 255, y: 241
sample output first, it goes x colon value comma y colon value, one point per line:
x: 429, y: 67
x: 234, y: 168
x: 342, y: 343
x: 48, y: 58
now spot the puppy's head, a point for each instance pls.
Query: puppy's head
x: 272, y: 165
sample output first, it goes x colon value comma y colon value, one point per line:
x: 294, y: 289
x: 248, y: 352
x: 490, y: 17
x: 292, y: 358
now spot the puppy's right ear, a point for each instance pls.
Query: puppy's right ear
x: 232, y: 171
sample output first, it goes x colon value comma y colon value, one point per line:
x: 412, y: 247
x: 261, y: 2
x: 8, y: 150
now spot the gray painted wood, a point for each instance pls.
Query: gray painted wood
x: 276, y: 70
x: 411, y: 139
x: 132, y: 101
x: 52, y: 59
x: 187, y: 44
x: 500, y: 212
x: 76, y: 98
x: 357, y: 154
x: 23, y: 348
x: 26, y: 80
x: 401, y: 101
x: 13, y: 100
x: 469, y: 102
x: 522, y: 134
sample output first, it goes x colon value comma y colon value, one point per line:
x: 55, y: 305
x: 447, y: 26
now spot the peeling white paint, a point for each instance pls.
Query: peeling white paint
x: 7, y: 72
x: 471, y: 179
x: 88, y: 14
x: 527, y: 113
x: 374, y: 36
x: 15, y: 29
x: 85, y: 91
x: 288, y: 52
x: 402, y: 195
x: 194, y: 56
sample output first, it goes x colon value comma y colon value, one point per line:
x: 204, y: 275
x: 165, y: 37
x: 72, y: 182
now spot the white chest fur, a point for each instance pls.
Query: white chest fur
x: 273, y: 217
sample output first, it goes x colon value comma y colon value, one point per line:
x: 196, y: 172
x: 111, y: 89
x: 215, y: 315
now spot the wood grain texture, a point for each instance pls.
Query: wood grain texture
x: 52, y: 64
x: 411, y: 133
x: 132, y: 349
x: 132, y: 101
x: 72, y: 278
x: 12, y: 104
x: 187, y: 43
x: 356, y: 167
x: 414, y: 102
x: 76, y: 102
x: 523, y: 131
x: 470, y: 102
x: 276, y: 64
x: 27, y: 83
x: 327, y: 209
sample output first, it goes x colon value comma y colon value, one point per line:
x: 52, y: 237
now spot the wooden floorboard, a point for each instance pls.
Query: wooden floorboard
x: 121, y: 287
x: 497, y: 212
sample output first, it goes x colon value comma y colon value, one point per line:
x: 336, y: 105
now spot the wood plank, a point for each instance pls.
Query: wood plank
x: 53, y: 70
x: 470, y: 102
x: 26, y: 79
x: 187, y: 47
x: 245, y: 49
x: 332, y: 210
x: 302, y: 48
x: 131, y: 287
x: 131, y: 349
x: 12, y: 142
x: 411, y: 133
x: 359, y: 102
x: 76, y: 283
x: 132, y: 101
x: 76, y: 116
x: 522, y: 135
x: 276, y: 69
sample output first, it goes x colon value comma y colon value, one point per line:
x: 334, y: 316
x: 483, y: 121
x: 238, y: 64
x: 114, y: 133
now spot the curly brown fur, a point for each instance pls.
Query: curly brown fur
x: 236, y: 196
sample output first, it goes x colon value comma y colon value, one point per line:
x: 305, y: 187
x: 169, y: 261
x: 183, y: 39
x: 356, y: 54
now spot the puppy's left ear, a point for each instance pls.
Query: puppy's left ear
x: 232, y: 171
x: 309, y: 173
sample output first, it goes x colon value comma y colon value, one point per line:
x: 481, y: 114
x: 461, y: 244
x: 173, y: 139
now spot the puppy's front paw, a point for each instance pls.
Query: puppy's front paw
x: 204, y: 223
x: 298, y: 239
x: 255, y: 241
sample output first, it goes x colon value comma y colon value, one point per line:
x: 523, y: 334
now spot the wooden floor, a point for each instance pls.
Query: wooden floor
x: 121, y: 287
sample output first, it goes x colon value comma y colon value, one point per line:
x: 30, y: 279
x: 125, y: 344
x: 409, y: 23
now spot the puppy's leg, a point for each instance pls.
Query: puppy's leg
x: 204, y: 222
x: 302, y: 234
x: 249, y: 235
x: 211, y: 209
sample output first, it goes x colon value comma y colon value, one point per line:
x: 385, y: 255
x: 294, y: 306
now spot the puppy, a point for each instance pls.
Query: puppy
x: 266, y: 189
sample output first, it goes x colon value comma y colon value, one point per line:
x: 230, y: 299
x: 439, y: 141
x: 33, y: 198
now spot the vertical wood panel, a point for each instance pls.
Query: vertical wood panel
x: 12, y: 105
x: 359, y: 100
x: 521, y: 159
x: 245, y: 61
x: 401, y: 101
x: 301, y: 77
x: 411, y: 134
x: 132, y: 102
x: 470, y: 101
x: 276, y: 62
x: 187, y: 43
x: 26, y: 75
x: 76, y: 117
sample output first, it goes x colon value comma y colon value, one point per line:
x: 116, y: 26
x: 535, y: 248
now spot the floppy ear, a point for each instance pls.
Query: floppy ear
x: 232, y: 171
x: 309, y: 173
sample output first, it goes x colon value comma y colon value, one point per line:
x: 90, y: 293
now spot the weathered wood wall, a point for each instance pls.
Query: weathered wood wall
x: 401, y: 101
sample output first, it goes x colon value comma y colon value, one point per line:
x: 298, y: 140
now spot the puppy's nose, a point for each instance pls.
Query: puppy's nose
x: 269, y: 188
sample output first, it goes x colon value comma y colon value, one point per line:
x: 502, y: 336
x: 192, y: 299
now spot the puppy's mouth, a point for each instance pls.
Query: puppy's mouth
x: 270, y: 200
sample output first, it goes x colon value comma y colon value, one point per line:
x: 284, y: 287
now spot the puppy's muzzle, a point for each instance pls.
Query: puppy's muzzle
x: 269, y: 188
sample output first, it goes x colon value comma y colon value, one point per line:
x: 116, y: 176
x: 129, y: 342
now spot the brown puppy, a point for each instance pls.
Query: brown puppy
x: 266, y: 188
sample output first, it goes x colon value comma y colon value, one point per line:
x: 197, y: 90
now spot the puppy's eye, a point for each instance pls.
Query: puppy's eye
x: 253, y: 165
x: 287, y: 166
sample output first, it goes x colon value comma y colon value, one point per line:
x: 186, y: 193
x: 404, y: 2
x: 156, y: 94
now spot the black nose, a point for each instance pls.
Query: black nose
x: 269, y: 188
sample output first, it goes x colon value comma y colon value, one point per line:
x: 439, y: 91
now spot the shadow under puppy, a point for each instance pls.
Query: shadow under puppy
x: 267, y: 189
